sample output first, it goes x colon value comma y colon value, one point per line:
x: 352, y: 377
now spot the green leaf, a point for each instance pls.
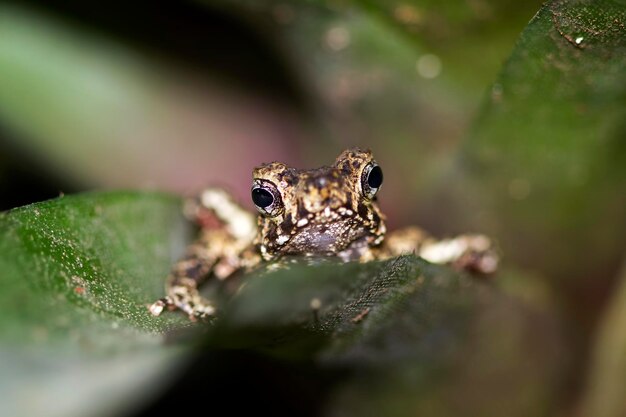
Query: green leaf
x: 397, y: 337
x: 77, y: 273
x: 546, y: 157
x: 342, y: 304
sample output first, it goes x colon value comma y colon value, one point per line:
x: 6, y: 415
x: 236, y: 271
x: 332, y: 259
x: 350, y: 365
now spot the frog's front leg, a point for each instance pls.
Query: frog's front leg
x: 474, y: 253
x: 224, y: 246
x: 184, y: 279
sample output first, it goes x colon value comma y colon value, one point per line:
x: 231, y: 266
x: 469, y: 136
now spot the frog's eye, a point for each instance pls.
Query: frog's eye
x: 266, y: 198
x: 262, y: 198
x: 371, y: 180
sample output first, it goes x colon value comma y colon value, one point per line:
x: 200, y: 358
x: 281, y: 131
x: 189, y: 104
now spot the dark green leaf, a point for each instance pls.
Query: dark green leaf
x: 77, y: 273
x: 397, y: 336
x: 547, y: 156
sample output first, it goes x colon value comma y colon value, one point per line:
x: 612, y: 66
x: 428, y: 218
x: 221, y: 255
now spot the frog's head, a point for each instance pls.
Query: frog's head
x: 323, y: 211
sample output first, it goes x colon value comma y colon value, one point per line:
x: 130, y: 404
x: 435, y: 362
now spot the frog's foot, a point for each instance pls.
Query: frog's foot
x: 474, y: 253
x: 184, y: 298
x: 478, y: 260
x: 159, y: 305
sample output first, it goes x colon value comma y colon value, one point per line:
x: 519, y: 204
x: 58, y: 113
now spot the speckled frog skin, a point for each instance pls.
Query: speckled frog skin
x: 330, y: 211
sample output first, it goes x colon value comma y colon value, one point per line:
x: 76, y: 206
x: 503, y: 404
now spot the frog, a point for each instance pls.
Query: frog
x: 330, y: 212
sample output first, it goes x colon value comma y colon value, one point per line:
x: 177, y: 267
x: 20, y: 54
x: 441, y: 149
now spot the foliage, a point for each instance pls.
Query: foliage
x: 540, y: 168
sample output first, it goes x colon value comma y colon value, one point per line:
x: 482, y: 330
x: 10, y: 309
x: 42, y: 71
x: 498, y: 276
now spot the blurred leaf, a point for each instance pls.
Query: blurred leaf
x: 546, y: 158
x: 400, y: 78
x: 77, y: 273
x: 607, y: 372
x: 103, y: 112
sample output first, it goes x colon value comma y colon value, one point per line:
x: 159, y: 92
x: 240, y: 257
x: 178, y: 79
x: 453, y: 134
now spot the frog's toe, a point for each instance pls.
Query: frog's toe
x: 159, y: 305
x: 202, y: 312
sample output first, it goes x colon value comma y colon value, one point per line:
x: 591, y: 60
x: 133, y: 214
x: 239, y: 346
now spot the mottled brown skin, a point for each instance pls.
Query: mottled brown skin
x: 324, y: 212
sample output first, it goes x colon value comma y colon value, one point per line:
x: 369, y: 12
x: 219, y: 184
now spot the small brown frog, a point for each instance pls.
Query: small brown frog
x: 325, y: 212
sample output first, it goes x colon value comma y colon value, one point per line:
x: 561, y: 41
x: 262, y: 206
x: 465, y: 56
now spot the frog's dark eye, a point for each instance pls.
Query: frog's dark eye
x: 266, y: 198
x: 371, y: 180
x: 375, y: 177
x: 262, y: 198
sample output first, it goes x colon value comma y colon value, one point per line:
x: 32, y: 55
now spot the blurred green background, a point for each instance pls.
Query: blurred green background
x: 481, y: 118
x: 183, y: 95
